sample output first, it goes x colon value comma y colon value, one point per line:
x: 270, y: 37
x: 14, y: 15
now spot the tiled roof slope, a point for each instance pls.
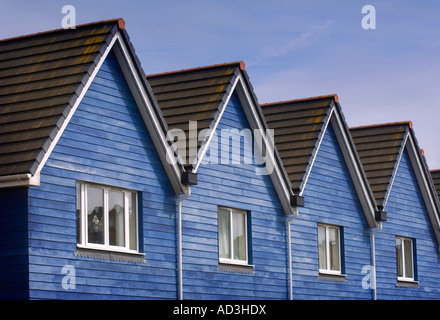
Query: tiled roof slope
x: 379, y: 147
x: 298, y: 126
x: 196, y: 94
x: 41, y: 77
x: 436, y: 179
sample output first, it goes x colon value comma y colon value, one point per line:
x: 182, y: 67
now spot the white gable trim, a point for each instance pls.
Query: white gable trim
x: 393, y: 175
x: 249, y: 109
x: 361, y: 186
x: 283, y: 190
x: 424, y: 185
x: 309, y: 169
x: 204, y: 147
x: 146, y: 109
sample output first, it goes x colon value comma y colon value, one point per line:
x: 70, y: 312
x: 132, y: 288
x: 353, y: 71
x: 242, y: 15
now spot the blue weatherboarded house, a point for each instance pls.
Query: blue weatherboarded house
x: 407, y: 243
x: 179, y: 185
x: 331, y: 244
x: 234, y: 243
x: 87, y: 197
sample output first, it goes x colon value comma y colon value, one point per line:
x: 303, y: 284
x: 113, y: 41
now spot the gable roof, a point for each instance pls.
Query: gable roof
x: 196, y: 94
x: 380, y: 148
x: 202, y: 94
x: 299, y: 127
x: 43, y: 78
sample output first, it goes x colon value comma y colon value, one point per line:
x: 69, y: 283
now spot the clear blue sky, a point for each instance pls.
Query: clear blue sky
x: 292, y: 49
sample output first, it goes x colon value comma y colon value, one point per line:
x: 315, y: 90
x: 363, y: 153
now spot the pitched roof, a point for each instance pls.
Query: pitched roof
x: 298, y: 126
x: 41, y: 76
x: 201, y: 94
x: 196, y: 94
x: 380, y: 147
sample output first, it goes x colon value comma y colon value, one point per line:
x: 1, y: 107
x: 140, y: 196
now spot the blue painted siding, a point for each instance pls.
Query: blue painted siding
x: 106, y: 142
x: 236, y: 186
x: 407, y: 217
x: 14, y: 279
x: 330, y: 198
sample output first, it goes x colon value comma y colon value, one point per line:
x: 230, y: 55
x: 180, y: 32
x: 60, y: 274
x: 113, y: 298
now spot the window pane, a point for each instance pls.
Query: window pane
x: 408, y: 258
x: 333, y: 234
x: 399, y: 255
x: 78, y: 213
x: 322, y: 250
x: 239, y: 235
x: 116, y: 218
x: 224, y: 234
x: 132, y: 215
x: 95, y: 215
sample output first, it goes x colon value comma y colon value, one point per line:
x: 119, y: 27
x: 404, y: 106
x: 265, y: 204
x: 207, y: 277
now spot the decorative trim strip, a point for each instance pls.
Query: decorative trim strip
x: 332, y: 277
x: 236, y: 268
x: 110, y: 255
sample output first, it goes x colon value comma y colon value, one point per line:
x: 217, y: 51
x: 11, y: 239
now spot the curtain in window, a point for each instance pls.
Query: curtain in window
x: 399, y: 257
x: 407, y: 247
x: 239, y: 236
x: 322, y: 248
x: 333, y: 235
x: 224, y: 235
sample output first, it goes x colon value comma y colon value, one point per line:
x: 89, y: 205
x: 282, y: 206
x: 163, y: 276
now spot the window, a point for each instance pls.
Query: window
x: 106, y: 218
x: 232, y: 236
x: 405, y: 259
x: 329, y: 249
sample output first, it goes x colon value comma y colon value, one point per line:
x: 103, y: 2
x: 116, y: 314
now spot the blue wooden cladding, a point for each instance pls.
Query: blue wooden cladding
x: 107, y: 143
x: 407, y: 217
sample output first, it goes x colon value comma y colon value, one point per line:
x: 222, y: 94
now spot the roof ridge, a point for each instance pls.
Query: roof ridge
x: 334, y: 96
x: 240, y: 63
x: 409, y: 123
x: 120, y: 21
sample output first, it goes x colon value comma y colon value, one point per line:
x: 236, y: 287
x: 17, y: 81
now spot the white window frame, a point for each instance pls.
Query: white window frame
x: 403, y: 258
x: 327, y: 249
x: 231, y: 243
x: 84, y: 222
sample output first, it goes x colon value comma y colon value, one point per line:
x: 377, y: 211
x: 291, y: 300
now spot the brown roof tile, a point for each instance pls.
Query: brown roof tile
x: 379, y: 148
x: 39, y: 76
x: 298, y: 126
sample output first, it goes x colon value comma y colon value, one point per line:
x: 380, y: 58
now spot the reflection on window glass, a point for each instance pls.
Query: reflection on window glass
x: 107, y: 218
x: 116, y: 218
x: 95, y: 215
